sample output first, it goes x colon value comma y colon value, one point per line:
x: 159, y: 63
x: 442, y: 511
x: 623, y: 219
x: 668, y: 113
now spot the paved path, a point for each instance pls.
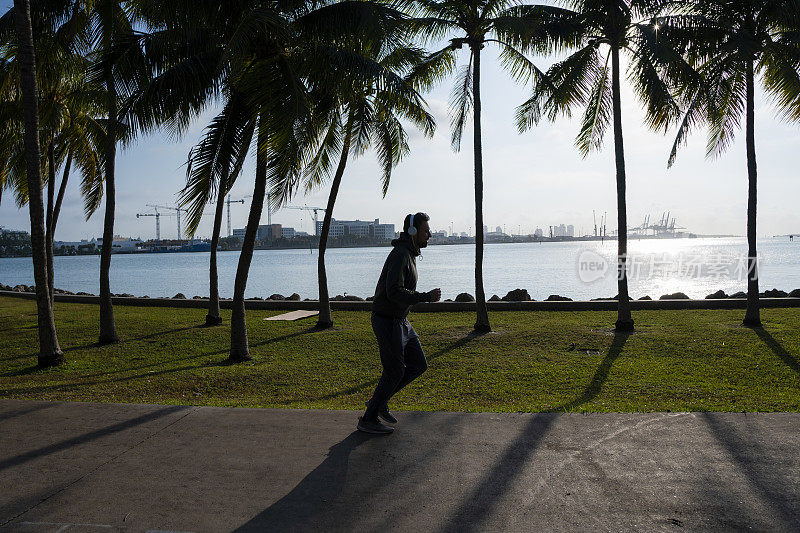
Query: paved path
x: 109, y: 467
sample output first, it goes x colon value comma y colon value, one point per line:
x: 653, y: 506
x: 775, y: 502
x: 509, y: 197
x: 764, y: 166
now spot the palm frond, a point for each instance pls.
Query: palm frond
x: 540, y: 29
x: 460, y: 103
x: 210, y: 163
x: 692, y: 117
x: 432, y: 69
x: 779, y: 67
x: 598, y: 113
x: 566, y: 84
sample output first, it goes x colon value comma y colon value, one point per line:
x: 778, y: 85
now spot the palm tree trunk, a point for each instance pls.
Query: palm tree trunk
x: 51, y: 188
x: 214, y: 317
x: 61, y: 190
x: 53, y: 215
x: 108, y: 330
x: 325, y: 320
x: 49, y: 351
x: 624, y: 319
x: 482, y: 318
x: 240, y: 350
x: 752, y: 316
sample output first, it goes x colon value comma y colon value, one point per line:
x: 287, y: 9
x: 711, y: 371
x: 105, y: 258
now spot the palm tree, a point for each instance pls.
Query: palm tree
x: 120, y: 67
x: 70, y: 132
x: 362, y: 115
x: 590, y: 78
x: 49, y: 351
x: 514, y: 29
x: 275, y: 57
x: 731, y: 43
x: 216, y: 162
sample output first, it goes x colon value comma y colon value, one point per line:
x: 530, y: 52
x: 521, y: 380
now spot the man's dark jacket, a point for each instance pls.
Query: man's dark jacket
x: 396, y: 290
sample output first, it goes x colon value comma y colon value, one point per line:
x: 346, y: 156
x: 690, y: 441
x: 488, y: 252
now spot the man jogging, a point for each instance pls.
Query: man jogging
x: 401, y: 353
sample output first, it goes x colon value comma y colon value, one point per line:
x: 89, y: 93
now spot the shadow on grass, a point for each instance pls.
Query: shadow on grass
x: 373, y: 382
x: 72, y: 385
x: 600, y: 375
x: 778, y: 349
x: 272, y: 340
x: 23, y: 371
x: 34, y: 369
x: 32, y: 355
x: 16, y: 460
x: 127, y: 340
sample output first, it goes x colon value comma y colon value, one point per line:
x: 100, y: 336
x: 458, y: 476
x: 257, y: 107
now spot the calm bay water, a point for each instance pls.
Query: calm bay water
x: 696, y: 267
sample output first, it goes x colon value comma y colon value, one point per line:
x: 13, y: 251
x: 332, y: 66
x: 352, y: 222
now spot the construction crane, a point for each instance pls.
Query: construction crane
x: 315, y: 210
x: 229, y: 202
x: 159, y: 215
x: 177, y: 214
x: 158, y: 220
x: 595, y: 223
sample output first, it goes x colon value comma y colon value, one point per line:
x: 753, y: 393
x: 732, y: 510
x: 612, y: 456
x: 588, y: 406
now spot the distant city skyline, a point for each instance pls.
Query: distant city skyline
x: 530, y: 180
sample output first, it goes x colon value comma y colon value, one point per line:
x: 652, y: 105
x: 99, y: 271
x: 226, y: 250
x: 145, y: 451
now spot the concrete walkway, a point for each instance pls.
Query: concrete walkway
x: 107, y: 467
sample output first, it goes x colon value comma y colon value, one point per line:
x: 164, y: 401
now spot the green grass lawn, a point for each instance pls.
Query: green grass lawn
x: 533, y: 361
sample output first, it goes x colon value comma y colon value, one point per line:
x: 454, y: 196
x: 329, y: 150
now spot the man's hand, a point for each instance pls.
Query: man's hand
x: 435, y: 295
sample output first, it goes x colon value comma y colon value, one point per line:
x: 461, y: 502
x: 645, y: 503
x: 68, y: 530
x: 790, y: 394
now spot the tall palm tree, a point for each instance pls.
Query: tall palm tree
x: 71, y: 133
x: 734, y: 44
x: 362, y: 115
x: 590, y: 78
x: 49, y: 350
x: 216, y: 162
x: 275, y: 57
x: 514, y: 28
x: 120, y: 66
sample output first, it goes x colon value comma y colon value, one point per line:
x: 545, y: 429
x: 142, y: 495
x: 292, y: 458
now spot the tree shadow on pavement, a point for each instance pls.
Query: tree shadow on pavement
x: 767, y: 480
x: 24, y: 411
x: 348, y: 491
x: 306, y: 505
x: 320, y: 497
x: 16, y: 460
x: 477, y: 508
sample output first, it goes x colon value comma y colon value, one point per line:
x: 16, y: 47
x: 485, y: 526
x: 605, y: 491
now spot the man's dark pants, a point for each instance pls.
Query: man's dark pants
x: 401, y: 356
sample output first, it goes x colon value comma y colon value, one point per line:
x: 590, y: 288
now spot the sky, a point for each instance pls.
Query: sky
x: 534, y: 179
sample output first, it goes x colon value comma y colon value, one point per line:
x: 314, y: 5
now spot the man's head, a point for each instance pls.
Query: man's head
x: 423, y: 231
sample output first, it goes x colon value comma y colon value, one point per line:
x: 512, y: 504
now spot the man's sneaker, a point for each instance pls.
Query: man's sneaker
x: 384, y: 413
x: 373, y: 426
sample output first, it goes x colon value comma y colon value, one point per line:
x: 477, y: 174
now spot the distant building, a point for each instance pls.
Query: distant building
x: 119, y: 244
x: 239, y: 233
x: 268, y: 232
x: 288, y: 233
x: 570, y: 230
x: 498, y: 229
x: 75, y: 244
x: 539, y: 233
x: 442, y: 234
x: 358, y: 228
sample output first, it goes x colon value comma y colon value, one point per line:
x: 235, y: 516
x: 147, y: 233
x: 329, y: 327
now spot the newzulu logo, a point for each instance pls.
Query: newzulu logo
x: 591, y: 266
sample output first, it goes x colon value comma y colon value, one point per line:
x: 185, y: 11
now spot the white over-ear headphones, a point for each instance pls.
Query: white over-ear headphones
x: 411, y: 229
